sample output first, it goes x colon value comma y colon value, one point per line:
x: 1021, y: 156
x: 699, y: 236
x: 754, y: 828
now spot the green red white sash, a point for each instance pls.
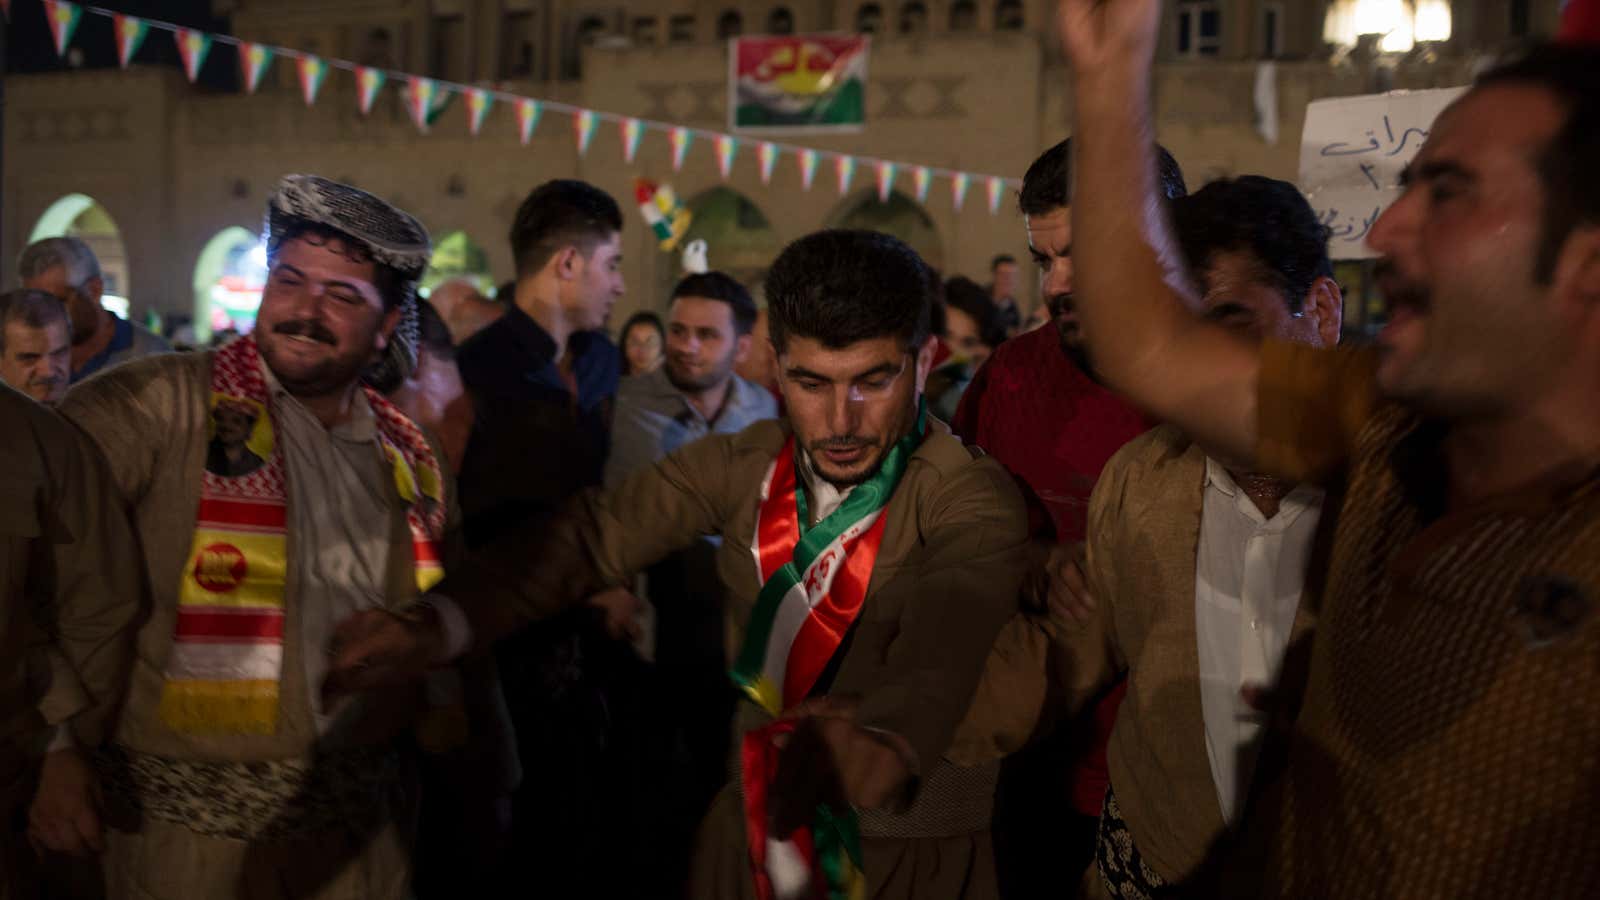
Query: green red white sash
x: 227, y: 654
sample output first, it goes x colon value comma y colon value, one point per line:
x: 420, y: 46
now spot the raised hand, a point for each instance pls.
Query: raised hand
x: 1108, y: 36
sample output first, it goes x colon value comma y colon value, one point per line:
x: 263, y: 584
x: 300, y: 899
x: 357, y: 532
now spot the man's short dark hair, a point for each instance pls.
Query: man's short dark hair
x: 1265, y: 217
x: 840, y: 287
x: 1001, y: 260
x: 1569, y: 166
x: 1047, y: 186
x: 389, y: 281
x: 433, y: 335
x: 35, y: 309
x: 966, y: 295
x: 717, y: 286
x: 557, y: 214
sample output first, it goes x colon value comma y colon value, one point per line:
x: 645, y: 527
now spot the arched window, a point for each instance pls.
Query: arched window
x: 963, y: 15
x: 1008, y: 15
x: 730, y: 24
x: 781, y: 21
x: 869, y: 18
x: 913, y: 18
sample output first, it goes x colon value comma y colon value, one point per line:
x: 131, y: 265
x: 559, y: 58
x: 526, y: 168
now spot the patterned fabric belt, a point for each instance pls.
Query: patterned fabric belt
x: 1121, y: 867
x: 953, y: 801
x: 272, y: 800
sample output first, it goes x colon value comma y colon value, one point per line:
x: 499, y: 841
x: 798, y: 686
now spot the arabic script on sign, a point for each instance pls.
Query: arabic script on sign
x: 1352, y: 153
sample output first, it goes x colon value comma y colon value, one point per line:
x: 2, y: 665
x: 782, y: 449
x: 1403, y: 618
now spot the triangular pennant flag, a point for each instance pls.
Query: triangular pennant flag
x: 632, y: 131
x: 767, y: 155
x: 313, y: 72
x: 253, y: 62
x: 368, y: 83
x: 886, y: 172
x: 959, y: 183
x: 63, y: 18
x: 420, y: 94
x: 997, y: 189
x: 528, y: 112
x: 193, y: 46
x: 845, y: 166
x: 443, y: 96
x: 583, y: 124
x: 680, y: 138
x: 130, y: 32
x: 920, y: 179
x: 479, y: 102
x: 808, y: 168
x: 726, y: 146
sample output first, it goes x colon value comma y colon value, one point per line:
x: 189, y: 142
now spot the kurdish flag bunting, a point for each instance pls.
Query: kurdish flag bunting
x: 443, y: 96
x: 193, y: 47
x: 921, y: 178
x: 794, y: 83
x: 479, y: 102
x: 368, y: 83
x: 767, y: 155
x: 527, y: 118
x: 886, y: 170
x: 808, y: 167
x: 313, y: 72
x: 680, y: 138
x: 845, y: 167
x: 959, y: 183
x: 420, y: 96
x: 997, y: 189
x: 584, y: 124
x: 632, y: 131
x: 726, y: 147
x: 63, y: 18
x: 253, y: 62
x: 130, y: 32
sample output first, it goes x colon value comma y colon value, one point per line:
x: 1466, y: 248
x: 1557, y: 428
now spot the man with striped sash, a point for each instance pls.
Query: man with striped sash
x: 869, y: 558
x: 275, y: 494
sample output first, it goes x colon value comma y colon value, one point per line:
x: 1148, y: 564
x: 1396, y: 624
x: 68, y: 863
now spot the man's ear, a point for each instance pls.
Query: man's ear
x: 742, y: 348
x: 386, y: 327
x: 1324, y: 305
x: 568, y: 263
x: 925, y: 361
x: 94, y: 288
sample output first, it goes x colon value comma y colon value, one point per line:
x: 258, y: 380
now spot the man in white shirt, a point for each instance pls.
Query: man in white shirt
x: 1193, y: 580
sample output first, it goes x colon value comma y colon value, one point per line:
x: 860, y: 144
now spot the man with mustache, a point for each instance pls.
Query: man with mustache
x: 274, y: 494
x: 67, y: 268
x: 35, y: 344
x: 1039, y: 408
x: 869, y: 560
x: 1446, y: 744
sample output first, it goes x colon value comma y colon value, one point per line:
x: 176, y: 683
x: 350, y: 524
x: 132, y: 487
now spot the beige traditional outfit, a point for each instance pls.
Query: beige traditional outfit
x: 945, y: 580
x: 70, y: 597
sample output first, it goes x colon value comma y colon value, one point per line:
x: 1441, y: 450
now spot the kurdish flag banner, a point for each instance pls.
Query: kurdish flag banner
x: 798, y: 83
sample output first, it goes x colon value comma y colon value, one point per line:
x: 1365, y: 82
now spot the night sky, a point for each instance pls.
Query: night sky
x: 29, y: 49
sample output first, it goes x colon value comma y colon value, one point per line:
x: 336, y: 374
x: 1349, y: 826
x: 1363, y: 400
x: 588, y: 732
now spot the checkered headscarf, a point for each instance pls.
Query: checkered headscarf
x: 392, y: 236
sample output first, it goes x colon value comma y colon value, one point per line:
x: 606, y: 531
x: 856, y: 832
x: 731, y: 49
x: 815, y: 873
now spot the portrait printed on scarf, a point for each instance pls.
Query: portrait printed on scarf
x: 234, y: 439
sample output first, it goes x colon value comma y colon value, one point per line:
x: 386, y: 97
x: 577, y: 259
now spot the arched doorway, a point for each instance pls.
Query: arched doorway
x: 228, y: 280
x: 458, y: 256
x: 739, y: 239
x: 80, y: 216
x: 900, y: 216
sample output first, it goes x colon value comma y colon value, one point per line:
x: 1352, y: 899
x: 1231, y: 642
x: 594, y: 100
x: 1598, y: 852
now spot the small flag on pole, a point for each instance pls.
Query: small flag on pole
x: 193, y: 46
x: 845, y: 167
x: 253, y: 62
x: 584, y: 123
x: 130, y: 32
x: 808, y: 168
x: 886, y: 172
x: 997, y: 189
x: 479, y: 102
x: 368, y: 83
x: 63, y: 18
x: 767, y: 155
x: 420, y: 94
x: 632, y: 131
x: 680, y: 138
x: 921, y: 178
x: 313, y: 72
x: 959, y: 183
x: 527, y: 118
x: 726, y: 146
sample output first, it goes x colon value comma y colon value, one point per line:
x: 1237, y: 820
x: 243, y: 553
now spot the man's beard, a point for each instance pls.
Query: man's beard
x: 322, y: 378
x: 1070, y: 336
x: 714, y: 377
x: 815, y: 450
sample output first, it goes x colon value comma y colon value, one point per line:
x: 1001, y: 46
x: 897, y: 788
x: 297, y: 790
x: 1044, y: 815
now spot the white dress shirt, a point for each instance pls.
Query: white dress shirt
x: 1249, y: 572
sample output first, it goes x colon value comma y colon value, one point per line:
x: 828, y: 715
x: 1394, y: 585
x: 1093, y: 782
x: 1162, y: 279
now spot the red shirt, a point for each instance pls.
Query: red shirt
x: 1053, y: 427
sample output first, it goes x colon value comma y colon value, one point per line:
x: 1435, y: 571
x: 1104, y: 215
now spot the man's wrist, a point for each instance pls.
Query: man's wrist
x: 447, y: 624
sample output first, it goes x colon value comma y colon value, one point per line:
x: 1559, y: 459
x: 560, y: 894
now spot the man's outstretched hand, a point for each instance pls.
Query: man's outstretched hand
x: 1102, y: 36
x: 375, y: 647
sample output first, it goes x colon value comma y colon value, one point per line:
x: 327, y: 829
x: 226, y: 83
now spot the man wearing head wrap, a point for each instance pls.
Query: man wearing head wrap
x: 276, y: 494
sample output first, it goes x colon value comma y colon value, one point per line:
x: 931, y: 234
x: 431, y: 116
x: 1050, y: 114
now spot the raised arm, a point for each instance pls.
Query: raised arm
x: 1133, y: 300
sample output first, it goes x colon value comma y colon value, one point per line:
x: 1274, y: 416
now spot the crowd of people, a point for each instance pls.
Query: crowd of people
x: 884, y: 588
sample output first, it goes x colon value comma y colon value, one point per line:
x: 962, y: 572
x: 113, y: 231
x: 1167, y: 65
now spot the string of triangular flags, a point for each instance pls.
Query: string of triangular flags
x: 427, y: 98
